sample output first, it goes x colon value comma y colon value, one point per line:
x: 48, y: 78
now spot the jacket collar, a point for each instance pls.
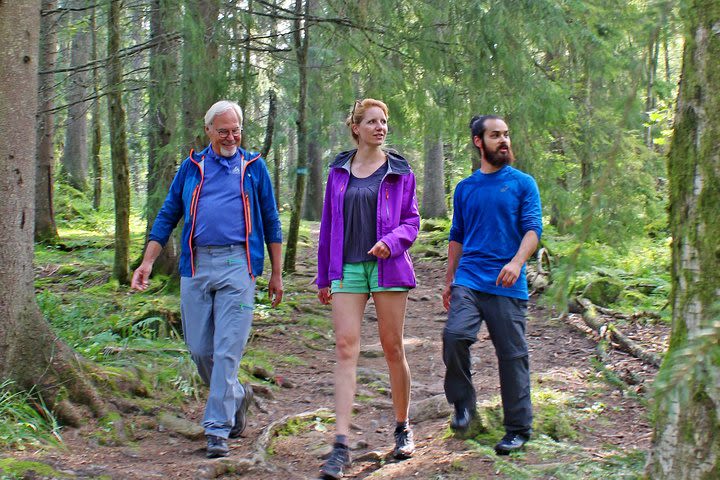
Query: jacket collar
x: 396, y: 163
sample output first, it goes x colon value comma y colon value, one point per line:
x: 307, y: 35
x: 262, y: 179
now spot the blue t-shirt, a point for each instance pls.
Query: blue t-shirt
x: 220, y: 219
x: 492, y: 214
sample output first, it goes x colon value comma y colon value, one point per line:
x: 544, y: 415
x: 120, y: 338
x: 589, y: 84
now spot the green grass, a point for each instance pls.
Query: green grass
x: 25, y: 421
x: 12, y: 469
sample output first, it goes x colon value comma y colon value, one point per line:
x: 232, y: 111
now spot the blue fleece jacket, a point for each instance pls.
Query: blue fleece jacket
x: 492, y: 214
x: 259, y: 210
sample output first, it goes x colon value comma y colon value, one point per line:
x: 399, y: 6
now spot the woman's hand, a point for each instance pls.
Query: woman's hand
x: 380, y: 250
x: 324, y: 296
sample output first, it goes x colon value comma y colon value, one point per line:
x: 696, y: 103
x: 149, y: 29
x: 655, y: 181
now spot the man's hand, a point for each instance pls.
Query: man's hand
x: 275, y: 289
x: 324, y: 296
x: 380, y: 250
x: 509, y: 274
x: 141, y: 277
x: 446, y: 296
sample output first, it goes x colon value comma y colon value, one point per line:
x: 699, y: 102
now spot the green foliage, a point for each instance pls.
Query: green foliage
x: 554, y: 414
x: 691, y: 367
x: 11, y: 469
x: 638, y: 273
x: 565, y: 461
x: 25, y: 420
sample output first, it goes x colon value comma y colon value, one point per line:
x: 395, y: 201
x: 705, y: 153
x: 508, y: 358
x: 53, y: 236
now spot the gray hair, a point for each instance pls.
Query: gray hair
x: 221, y: 107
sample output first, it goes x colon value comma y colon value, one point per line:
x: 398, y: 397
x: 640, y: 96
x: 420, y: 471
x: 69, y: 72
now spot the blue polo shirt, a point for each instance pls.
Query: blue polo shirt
x: 492, y: 214
x: 220, y: 219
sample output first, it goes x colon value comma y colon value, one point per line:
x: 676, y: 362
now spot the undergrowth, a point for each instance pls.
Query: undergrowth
x: 25, y: 421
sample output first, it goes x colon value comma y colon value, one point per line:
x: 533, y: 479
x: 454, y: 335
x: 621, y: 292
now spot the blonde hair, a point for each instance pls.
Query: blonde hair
x: 358, y: 112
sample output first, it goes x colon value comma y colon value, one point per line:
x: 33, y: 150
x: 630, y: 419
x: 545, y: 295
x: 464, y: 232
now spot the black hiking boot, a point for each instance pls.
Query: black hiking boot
x: 241, y: 412
x: 217, y: 447
x: 404, y: 444
x: 333, y: 466
x: 462, y: 419
x: 511, y: 442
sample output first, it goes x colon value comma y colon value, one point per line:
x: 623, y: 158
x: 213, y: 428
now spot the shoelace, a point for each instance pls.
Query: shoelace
x: 402, y: 438
x: 337, y: 459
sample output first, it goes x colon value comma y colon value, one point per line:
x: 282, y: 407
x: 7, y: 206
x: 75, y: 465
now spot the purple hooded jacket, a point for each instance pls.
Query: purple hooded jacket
x: 398, y: 222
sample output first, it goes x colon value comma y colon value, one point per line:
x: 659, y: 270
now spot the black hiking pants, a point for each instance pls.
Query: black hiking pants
x: 505, y: 318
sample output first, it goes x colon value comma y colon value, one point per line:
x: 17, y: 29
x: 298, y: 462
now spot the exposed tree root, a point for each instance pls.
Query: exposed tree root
x: 262, y: 444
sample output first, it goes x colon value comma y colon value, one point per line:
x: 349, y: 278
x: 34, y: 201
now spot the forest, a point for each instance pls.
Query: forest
x: 613, y: 108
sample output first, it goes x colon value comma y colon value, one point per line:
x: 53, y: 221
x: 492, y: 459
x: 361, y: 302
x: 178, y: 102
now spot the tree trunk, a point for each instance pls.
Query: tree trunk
x: 30, y: 352
x: 96, y: 128
x: 162, y: 119
x: 686, y: 443
x: 270, y: 125
x: 312, y: 209
x: 45, y: 228
x: 246, y: 80
x: 202, y: 79
x: 653, y: 53
x: 433, y: 203
x: 301, y: 53
x: 135, y: 104
x: 118, y: 147
x: 75, y: 154
x: 314, y: 193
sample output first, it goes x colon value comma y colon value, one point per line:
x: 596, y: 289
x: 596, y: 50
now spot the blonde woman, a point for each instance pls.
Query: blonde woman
x: 370, y: 219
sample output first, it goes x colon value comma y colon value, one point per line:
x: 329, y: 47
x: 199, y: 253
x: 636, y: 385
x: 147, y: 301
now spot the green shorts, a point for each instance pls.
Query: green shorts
x: 361, y: 278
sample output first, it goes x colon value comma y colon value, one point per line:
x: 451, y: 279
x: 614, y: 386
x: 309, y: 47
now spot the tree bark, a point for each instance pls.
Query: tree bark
x: 162, y: 121
x: 30, y: 352
x: 96, y: 128
x: 270, y: 125
x: 302, y: 41
x: 433, y: 203
x: 118, y: 148
x: 135, y: 103
x: 45, y: 228
x: 246, y: 80
x: 312, y: 209
x: 314, y: 193
x: 202, y: 79
x: 75, y: 154
x: 686, y: 443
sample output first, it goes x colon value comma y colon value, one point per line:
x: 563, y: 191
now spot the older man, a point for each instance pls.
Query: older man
x: 225, y: 195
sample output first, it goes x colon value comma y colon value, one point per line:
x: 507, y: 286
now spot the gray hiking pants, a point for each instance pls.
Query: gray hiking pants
x: 505, y: 318
x: 217, y: 311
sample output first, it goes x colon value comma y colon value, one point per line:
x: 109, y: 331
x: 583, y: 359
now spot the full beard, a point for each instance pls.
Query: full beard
x: 499, y: 159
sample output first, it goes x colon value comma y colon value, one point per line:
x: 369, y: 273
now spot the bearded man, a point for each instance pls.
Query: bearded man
x: 224, y: 194
x: 496, y: 227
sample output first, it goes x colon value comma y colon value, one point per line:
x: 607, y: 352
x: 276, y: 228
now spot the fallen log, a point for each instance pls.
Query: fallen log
x: 625, y: 316
x: 590, y: 317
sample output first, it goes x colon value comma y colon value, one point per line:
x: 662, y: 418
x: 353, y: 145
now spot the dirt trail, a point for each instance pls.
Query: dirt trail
x: 560, y: 361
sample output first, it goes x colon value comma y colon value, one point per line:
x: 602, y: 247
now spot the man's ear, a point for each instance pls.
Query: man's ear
x: 478, y: 143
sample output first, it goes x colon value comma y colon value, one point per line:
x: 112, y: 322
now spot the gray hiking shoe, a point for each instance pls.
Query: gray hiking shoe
x: 241, y: 412
x: 339, y: 458
x: 216, y: 447
x: 404, y: 443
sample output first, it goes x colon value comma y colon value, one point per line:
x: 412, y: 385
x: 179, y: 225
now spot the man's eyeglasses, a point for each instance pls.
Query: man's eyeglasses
x: 224, y: 132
